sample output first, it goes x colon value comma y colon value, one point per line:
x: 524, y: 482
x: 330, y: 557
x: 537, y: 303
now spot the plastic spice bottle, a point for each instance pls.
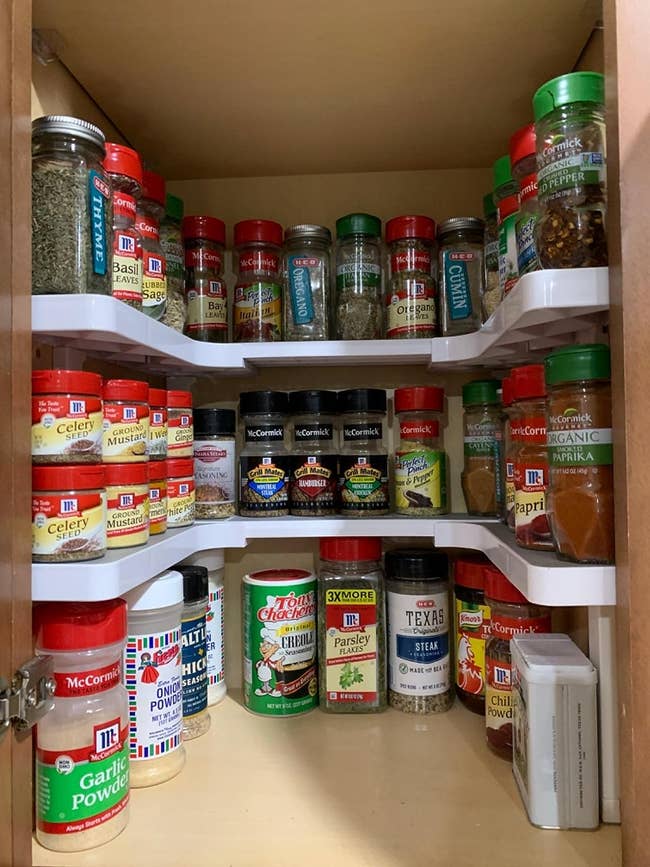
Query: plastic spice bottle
x: 257, y: 311
x: 419, y: 653
x: 126, y: 421
x: 472, y: 620
x: 264, y: 463
x: 204, y: 239
x: 359, y: 296
x: 180, y: 424
x: 531, y: 466
x: 314, y: 461
x: 196, y: 719
x: 511, y: 614
x: 506, y: 197
x: 67, y: 417
x: 492, y: 295
x: 481, y: 477
x: 510, y: 445
x: 127, y: 501
x: 124, y: 169
x: 411, y: 294
x: 580, y: 497
x: 420, y: 462
x: 157, y: 497
x: 157, y: 424
x: 524, y: 172
x: 352, y: 626
x: 151, y: 210
x: 213, y: 560
x: 307, y: 282
x: 152, y: 674
x: 571, y: 171
x: 171, y: 243
x: 363, y: 463
x: 462, y: 274
x: 215, y: 464
x: 83, y: 742
x: 181, y: 498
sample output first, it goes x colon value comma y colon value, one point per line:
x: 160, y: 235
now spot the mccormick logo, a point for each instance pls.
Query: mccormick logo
x: 69, y: 506
x: 534, y: 478
x: 183, y: 489
x: 125, y: 244
x: 351, y: 619
x: 185, y: 421
x: 77, y: 407
x: 289, y: 607
x: 157, y: 418
x: 126, y: 501
x: 155, y: 265
x: 501, y: 676
x: 154, y: 493
x: 107, y: 737
x: 129, y: 413
x: 470, y: 619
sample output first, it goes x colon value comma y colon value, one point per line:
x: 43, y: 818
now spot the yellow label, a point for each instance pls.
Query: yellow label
x: 127, y: 518
x: 351, y: 646
x: 154, y: 291
x: 420, y: 480
x: 528, y: 506
x: 498, y: 708
x: 180, y: 510
x: 157, y: 508
x: 55, y: 533
x: 127, y: 277
x: 472, y: 631
x: 125, y: 442
x: 206, y: 311
x: 510, y: 495
x: 60, y: 436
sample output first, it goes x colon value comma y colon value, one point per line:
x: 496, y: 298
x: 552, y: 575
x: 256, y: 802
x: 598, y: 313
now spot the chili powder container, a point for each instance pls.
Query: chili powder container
x: 472, y: 619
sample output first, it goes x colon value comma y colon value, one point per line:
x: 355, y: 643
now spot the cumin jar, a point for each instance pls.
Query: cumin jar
x: 157, y: 497
x: 127, y: 501
x: 67, y: 417
x: 126, y: 421
x: 180, y: 424
x: 181, y: 507
x: 157, y: 424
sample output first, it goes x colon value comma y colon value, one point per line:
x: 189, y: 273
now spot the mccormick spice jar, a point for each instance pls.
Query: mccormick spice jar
x: 196, y: 719
x: 151, y: 210
x: 180, y: 424
x: 157, y: 424
x: 204, y: 239
x: 126, y: 421
x: 307, y: 282
x: 171, y: 243
x: 492, y: 295
x: 127, y: 501
x: 472, y: 621
x: 257, y: 308
x: 506, y: 197
x: 462, y: 274
x: 279, y: 638
x: 524, y: 172
x: 314, y: 460
x: 264, y: 464
x: 214, y: 462
x: 411, y: 295
x: 420, y: 463
x: 581, y: 483
x: 363, y: 464
x: 180, y: 493
x: 67, y: 417
x: 512, y: 416
x: 213, y: 560
x: 157, y: 497
x: 359, y: 296
x: 124, y: 169
x: 68, y: 513
x: 481, y: 476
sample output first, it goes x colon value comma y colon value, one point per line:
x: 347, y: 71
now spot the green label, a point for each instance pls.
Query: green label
x: 571, y: 172
x: 420, y: 480
x: 361, y: 274
x: 576, y: 448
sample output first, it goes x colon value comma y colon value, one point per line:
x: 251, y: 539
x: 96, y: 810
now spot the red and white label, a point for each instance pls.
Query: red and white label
x: 203, y: 259
x: 411, y: 260
x: 259, y: 260
x: 147, y: 228
x: 77, y: 683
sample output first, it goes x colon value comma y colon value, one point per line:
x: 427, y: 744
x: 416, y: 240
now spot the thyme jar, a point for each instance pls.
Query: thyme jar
x: 264, y: 463
x: 196, y: 718
x: 157, y: 424
x: 72, y: 210
x: 157, y: 471
x: 180, y: 424
x: 524, y: 171
x: 420, y: 462
x: 492, y: 294
x: 314, y: 460
x: 257, y: 311
x: 67, y: 417
x: 506, y: 196
x: 307, y: 253
x: 359, y: 296
x: 171, y: 243
x: 126, y: 421
x: 411, y: 295
x: 462, y: 274
x: 204, y: 239
x: 417, y: 602
x: 363, y: 464
x: 214, y: 462
x: 125, y: 172
x: 181, y: 498
x: 151, y: 210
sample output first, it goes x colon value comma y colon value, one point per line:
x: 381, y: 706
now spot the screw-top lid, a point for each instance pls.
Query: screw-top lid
x: 73, y: 626
x: 419, y: 397
x: 528, y: 382
x: 121, y: 160
x: 179, y: 399
x: 569, y: 88
x: 153, y: 187
x: 469, y: 571
x: 506, y: 391
x: 263, y: 402
x: 489, y: 207
x: 210, y: 228
x: 213, y: 422
x: 178, y: 468
x: 126, y: 389
x: 508, y: 206
x: 126, y: 474
x: 212, y: 559
x: 174, y: 207
x: 576, y: 363
x: 460, y: 224
x: 417, y: 564
x: 312, y: 401
x: 522, y: 143
x: 362, y: 400
x: 65, y: 125
x: 157, y: 397
x: 345, y: 548
x: 66, y: 381
x: 161, y: 592
x: 266, y: 231
x: 358, y: 224
x: 195, y: 582
x: 502, y: 171
x: 157, y: 470
x: 423, y: 228
x: 498, y: 587
x: 481, y: 391
x: 308, y: 231
x: 79, y: 477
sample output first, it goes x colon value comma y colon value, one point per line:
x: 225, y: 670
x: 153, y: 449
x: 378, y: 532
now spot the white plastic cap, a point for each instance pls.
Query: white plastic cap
x: 162, y: 591
x: 212, y: 559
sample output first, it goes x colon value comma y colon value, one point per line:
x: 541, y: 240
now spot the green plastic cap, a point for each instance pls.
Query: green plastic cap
x: 489, y: 208
x: 481, y: 391
x: 565, y: 89
x: 576, y: 363
x: 174, y: 207
x: 502, y: 171
x: 358, y: 224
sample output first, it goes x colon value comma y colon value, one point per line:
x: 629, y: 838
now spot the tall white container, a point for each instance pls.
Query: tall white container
x: 214, y: 561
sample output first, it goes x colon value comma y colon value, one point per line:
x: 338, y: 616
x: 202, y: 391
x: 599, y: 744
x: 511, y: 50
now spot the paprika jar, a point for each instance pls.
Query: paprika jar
x: 204, y: 239
x: 181, y: 498
x: 510, y: 446
x: 420, y: 462
x: 581, y: 482
x: 411, y: 293
x: 506, y: 196
x: 127, y: 502
x: 171, y: 244
x: 157, y: 471
x: 481, y: 476
x: 363, y: 462
x: 180, y: 424
x: 126, y: 421
x: 157, y: 424
x: 472, y: 621
x: 151, y: 210
x: 125, y: 172
x: 257, y: 310
x: 524, y: 172
x: 67, y: 417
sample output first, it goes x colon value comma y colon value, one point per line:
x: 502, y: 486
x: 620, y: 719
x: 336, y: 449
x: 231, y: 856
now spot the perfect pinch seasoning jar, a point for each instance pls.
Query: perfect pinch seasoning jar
x: 157, y: 497
x: 180, y: 424
x: 180, y: 493
x: 126, y: 421
x: 66, y: 417
x: 127, y: 500
x: 157, y: 424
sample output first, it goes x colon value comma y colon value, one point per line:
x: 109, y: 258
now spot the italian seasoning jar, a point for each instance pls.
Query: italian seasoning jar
x: 126, y: 421
x: 171, y: 243
x: 492, y: 295
x: 264, y: 463
x: 481, y: 476
x: 411, y: 295
x: 307, y: 282
x: 72, y: 210
x: 214, y: 463
x: 67, y: 417
x: 124, y: 169
x: 363, y: 463
x: 524, y: 172
x: 151, y: 210
x: 157, y: 424
x: 257, y: 310
x: 420, y: 462
x: 419, y: 660
x: 506, y: 196
x: 157, y: 471
x: 196, y: 718
x: 314, y: 460
x: 359, y: 296
x: 207, y: 299
x: 462, y: 274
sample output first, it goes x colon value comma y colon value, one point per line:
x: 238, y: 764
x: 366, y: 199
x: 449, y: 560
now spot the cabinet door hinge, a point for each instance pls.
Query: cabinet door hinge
x: 29, y: 696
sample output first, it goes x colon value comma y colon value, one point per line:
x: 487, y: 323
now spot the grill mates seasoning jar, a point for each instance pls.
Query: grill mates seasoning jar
x: 151, y: 210
x: 411, y: 295
x: 472, y: 622
x: 363, y: 464
x: 157, y: 497
x: 180, y: 493
x: 307, y: 282
x: 127, y: 501
x: 126, y: 421
x: 257, y: 311
x: 180, y: 424
x: 124, y: 169
x: 204, y: 239
x: 314, y: 460
x: 462, y: 274
x: 67, y: 417
x: 157, y: 424
x: 196, y: 719
x: 215, y: 473
x: 420, y: 464
x: 359, y: 297
x: 481, y: 476
x: 264, y: 464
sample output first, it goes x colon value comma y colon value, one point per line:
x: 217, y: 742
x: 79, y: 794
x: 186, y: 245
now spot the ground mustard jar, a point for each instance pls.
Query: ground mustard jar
x: 66, y: 417
x: 126, y: 421
x: 127, y: 500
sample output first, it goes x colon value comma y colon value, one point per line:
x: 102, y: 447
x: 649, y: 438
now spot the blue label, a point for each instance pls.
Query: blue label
x: 422, y: 648
x: 267, y: 489
x: 302, y: 302
x: 98, y: 192
x: 195, y: 666
x: 457, y: 288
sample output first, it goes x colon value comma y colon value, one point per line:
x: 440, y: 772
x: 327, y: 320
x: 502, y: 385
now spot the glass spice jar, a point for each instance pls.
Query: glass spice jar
x: 307, y: 282
x: 180, y: 424
x: 126, y: 421
x: 359, y: 296
x: 481, y: 476
x: 72, y: 209
x: 181, y: 498
x: 524, y: 172
x: 462, y: 274
x: 492, y: 294
x: 571, y: 171
x: 363, y: 463
x: 506, y: 196
x: 472, y: 620
x: 264, y: 462
x: 124, y: 169
x: 196, y: 718
x: 171, y: 243
x: 411, y: 295
x: 511, y: 422
x: 127, y: 503
x: 67, y: 417
x: 150, y: 211
x: 214, y: 462
x: 157, y: 471
x: 207, y: 298
x: 257, y: 310
x: 157, y: 424
x: 314, y: 460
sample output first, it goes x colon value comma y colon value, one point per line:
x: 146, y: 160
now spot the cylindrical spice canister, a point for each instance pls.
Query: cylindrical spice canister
x: 67, y: 417
x: 420, y: 463
x: 506, y: 197
x: 180, y: 424
x: 213, y: 560
x: 492, y: 295
x: 462, y: 274
x: 307, y: 282
x: 181, y: 509
x: 510, y: 446
x: 127, y: 501
x: 359, y: 295
x: 524, y: 171
x: 126, y: 421
x: 264, y: 463
x: 472, y: 620
x: 157, y: 497
x: 151, y: 210
x: 204, y: 239
x: 215, y: 467
x: 196, y: 719
x: 411, y: 294
x: 157, y: 424
x: 124, y: 169
x: 257, y: 311
x: 314, y: 460
x: 171, y: 244
x: 363, y: 464
x: 483, y: 437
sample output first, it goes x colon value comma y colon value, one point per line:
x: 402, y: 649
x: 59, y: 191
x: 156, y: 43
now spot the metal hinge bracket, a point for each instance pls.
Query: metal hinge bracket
x: 29, y: 696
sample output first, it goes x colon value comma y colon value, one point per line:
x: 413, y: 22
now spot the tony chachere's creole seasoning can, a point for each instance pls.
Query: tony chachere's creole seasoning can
x: 66, y: 417
x: 157, y: 424
x: 127, y: 500
x: 363, y: 465
x: 257, y: 309
x: 279, y: 637
x: 264, y: 464
x: 180, y: 424
x: 126, y: 421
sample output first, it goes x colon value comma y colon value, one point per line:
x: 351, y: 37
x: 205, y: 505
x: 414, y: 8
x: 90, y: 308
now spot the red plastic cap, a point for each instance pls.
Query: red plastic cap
x: 522, y: 143
x: 179, y: 467
x: 508, y: 206
x: 506, y: 391
x: 66, y: 381
x: 81, y: 477
x: 528, y: 382
x: 157, y: 470
x: 205, y: 227
x: 346, y: 548
x: 280, y: 575
x: 419, y: 397
x: 153, y: 187
x: 120, y: 160
x: 126, y: 474
x: 157, y: 397
x: 126, y: 389
x: 266, y: 231
x: 179, y: 399
x: 498, y: 587
x: 70, y: 626
x: 469, y: 571
x: 410, y: 227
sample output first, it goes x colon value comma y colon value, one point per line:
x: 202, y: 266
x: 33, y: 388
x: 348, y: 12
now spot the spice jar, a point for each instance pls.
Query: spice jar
x: 181, y: 509
x: 152, y: 674
x: 67, y: 417
x: 571, y: 171
x: 481, y: 476
x: 82, y: 744
x: 314, y: 462
x: 580, y: 497
x: 524, y: 172
x: 213, y: 560
x: 472, y: 630
x: 204, y: 239
x: 531, y: 467
x: 420, y: 463
x: 511, y: 424
x: 363, y: 464
x: 180, y: 424
x: 126, y: 421
x: 307, y: 282
x: 68, y: 513
x: 417, y: 597
x: 157, y: 497
x: 506, y: 197
x: 257, y: 311
x: 264, y: 463
x: 157, y: 424
x: 462, y: 274
x: 511, y: 614
x: 196, y: 719
x: 127, y: 501
x: 359, y: 297
x: 492, y: 294
x: 411, y: 295
x: 351, y: 626
x: 151, y: 210
x: 124, y: 170
x: 214, y: 462
x: 72, y: 211
x: 171, y: 244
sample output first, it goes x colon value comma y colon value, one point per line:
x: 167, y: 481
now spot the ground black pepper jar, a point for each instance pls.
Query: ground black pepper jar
x: 314, y: 461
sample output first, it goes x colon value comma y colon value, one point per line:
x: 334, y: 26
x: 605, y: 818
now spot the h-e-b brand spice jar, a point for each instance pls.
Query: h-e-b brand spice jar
x: 307, y: 282
x: 462, y: 274
x: 67, y: 417
x: 359, y: 296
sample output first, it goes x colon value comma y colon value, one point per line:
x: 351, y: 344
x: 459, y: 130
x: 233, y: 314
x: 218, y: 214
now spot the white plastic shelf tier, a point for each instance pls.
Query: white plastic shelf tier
x: 541, y: 577
x: 545, y: 309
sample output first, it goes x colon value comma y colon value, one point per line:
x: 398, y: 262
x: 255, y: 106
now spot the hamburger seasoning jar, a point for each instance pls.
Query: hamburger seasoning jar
x: 67, y: 417
x: 127, y: 501
x: 314, y: 462
x: 126, y: 421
